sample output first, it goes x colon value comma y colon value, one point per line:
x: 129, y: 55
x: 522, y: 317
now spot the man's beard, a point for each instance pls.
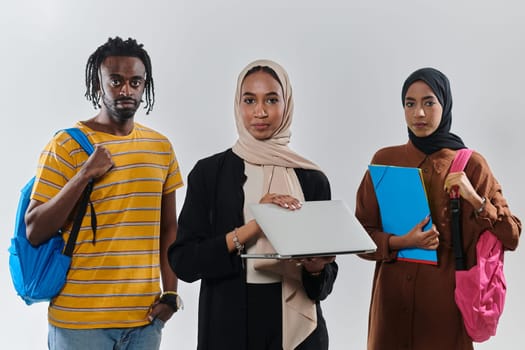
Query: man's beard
x: 120, y: 113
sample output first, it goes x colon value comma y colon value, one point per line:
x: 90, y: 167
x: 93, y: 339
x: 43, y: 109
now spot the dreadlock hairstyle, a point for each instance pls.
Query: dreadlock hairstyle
x: 117, y: 47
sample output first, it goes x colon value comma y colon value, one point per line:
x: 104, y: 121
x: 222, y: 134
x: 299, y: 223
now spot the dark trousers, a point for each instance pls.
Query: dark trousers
x: 265, y: 316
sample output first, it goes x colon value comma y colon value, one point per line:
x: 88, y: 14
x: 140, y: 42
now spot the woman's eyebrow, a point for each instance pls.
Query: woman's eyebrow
x: 253, y: 94
x: 424, y: 98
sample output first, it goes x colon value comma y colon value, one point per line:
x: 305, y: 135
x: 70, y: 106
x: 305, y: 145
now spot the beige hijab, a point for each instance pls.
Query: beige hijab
x: 278, y: 160
x: 274, y: 151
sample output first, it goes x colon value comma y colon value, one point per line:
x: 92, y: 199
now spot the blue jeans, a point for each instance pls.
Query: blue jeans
x: 137, y: 338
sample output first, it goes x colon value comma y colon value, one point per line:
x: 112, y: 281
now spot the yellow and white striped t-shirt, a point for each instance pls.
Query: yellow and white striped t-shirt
x: 113, y: 282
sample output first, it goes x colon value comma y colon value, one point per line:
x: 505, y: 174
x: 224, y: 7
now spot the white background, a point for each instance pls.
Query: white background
x: 347, y: 61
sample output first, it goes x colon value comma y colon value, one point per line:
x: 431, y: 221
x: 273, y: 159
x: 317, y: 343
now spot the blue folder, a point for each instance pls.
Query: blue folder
x: 403, y: 203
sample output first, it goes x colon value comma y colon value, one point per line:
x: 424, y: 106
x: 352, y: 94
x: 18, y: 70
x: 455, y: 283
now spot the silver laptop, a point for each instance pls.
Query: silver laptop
x: 319, y: 228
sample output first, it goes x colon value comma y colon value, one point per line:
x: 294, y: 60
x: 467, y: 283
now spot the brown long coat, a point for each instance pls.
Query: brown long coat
x: 412, y: 304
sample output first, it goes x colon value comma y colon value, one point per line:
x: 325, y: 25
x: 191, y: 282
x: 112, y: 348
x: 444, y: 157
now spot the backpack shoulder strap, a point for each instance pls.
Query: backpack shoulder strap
x: 81, y: 139
x: 84, y: 142
x: 460, y: 160
x: 458, y: 164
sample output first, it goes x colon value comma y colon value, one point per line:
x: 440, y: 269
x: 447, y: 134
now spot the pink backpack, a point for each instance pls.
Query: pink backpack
x: 480, y: 291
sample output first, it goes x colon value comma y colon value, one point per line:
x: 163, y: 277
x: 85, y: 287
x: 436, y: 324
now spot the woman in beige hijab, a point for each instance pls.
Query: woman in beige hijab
x: 252, y: 304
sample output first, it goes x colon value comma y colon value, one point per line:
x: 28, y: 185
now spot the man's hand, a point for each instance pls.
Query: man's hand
x: 98, y: 163
x: 161, y: 311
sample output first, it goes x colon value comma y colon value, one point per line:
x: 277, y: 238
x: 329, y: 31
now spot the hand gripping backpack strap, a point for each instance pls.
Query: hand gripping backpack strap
x: 458, y: 164
x: 84, y: 142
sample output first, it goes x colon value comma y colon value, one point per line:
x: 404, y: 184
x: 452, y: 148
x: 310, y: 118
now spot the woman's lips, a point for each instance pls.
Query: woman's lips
x: 260, y: 126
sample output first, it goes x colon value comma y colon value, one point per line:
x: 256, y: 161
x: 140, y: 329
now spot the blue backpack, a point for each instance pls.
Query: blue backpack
x: 39, y: 273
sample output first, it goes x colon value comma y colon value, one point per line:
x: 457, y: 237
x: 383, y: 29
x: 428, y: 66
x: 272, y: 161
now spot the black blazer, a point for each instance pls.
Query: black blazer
x: 213, y: 207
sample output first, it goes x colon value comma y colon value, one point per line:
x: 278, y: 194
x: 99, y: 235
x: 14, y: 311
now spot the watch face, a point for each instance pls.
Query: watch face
x: 180, y: 304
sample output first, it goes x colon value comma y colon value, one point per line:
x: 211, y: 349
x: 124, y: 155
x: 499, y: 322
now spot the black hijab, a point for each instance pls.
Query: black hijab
x: 442, y: 137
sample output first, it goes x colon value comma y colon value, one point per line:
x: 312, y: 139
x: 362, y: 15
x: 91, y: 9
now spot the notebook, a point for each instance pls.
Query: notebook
x: 319, y: 228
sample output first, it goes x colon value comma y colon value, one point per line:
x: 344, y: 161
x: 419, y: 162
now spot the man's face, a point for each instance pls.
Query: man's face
x: 122, y: 80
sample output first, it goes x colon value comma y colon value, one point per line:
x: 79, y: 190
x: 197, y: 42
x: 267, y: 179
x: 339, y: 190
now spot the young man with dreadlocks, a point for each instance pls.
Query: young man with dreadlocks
x: 112, y: 297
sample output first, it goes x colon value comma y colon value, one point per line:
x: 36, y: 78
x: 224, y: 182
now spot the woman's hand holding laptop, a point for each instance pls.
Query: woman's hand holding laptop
x: 282, y: 200
x: 315, y: 266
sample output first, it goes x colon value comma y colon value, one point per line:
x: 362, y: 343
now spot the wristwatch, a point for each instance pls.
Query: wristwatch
x: 172, y: 299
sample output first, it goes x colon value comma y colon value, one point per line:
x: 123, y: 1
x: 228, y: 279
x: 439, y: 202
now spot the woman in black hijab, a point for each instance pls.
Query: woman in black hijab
x: 440, y: 86
x: 412, y: 304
